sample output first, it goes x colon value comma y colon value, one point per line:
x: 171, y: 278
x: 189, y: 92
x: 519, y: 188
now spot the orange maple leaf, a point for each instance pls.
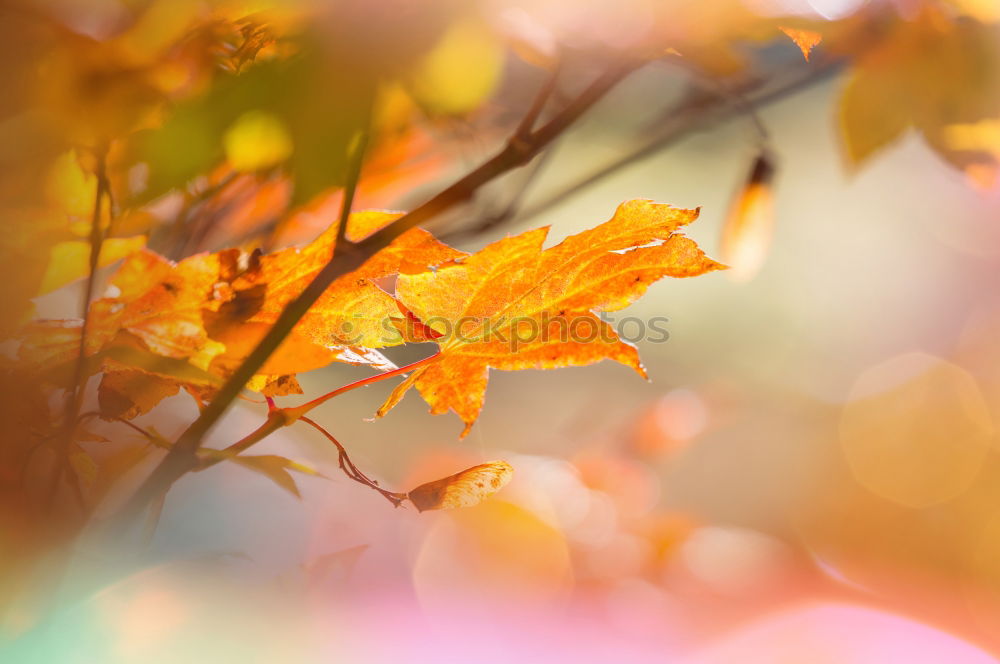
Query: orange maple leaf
x: 514, y: 305
x: 210, y: 311
x: 149, y: 298
x: 346, y: 323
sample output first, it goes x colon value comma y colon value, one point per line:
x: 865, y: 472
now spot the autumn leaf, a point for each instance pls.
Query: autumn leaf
x: 211, y: 310
x: 514, y: 305
x: 806, y: 40
x: 70, y: 260
x: 130, y: 393
x: 465, y: 489
x: 275, y: 386
x: 978, y: 139
x: 927, y: 74
x: 161, y: 304
x: 346, y: 324
x: 151, y: 314
x: 461, y: 71
x: 717, y: 36
x: 43, y: 246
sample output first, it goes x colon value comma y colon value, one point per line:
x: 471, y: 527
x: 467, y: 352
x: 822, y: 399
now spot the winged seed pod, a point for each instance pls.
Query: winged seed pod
x: 746, y: 236
x: 465, y: 489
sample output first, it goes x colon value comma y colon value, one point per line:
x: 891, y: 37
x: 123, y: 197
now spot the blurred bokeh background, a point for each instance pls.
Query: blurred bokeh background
x: 811, y: 473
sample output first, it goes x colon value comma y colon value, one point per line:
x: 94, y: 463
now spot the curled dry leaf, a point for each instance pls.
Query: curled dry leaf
x: 465, y: 489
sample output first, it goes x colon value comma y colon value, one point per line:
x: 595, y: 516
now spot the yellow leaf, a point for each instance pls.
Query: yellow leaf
x: 461, y: 72
x: 983, y: 136
x: 275, y: 386
x: 70, y: 188
x: 871, y: 115
x: 70, y: 260
x: 987, y: 11
x: 348, y: 321
x: 257, y: 140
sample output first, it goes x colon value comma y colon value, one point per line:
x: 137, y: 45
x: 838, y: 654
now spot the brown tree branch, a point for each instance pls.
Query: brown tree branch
x: 74, y: 393
x: 96, y: 243
x: 527, y: 124
x: 695, y: 114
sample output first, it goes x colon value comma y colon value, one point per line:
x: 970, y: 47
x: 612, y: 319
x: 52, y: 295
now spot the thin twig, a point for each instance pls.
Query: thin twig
x: 360, y: 149
x: 691, y: 116
x: 181, y: 230
x: 352, y: 471
x: 282, y: 417
x: 731, y: 94
x: 152, y: 438
x: 74, y: 396
x: 512, y: 207
x: 298, y: 411
x: 153, y: 520
x: 96, y: 242
x: 527, y: 124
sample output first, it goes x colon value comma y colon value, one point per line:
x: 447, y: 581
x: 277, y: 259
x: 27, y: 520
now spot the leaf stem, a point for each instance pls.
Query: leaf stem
x: 282, y: 417
x: 297, y: 412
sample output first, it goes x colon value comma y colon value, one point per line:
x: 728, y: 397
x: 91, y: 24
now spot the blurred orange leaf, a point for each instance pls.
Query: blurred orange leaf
x: 69, y: 260
x: 927, y: 74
